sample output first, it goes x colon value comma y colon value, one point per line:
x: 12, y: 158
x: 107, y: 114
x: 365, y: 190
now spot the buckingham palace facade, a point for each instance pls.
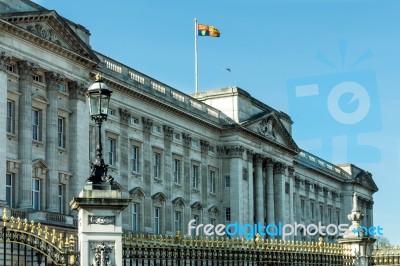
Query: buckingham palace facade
x: 219, y: 156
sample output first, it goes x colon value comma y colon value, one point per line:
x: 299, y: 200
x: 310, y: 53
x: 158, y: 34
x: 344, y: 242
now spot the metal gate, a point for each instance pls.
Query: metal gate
x: 24, y: 243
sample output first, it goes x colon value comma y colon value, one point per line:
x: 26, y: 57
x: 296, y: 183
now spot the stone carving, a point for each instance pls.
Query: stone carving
x: 26, y: 70
x: 186, y: 139
x: 124, y: 115
x: 287, y: 188
x: 168, y: 132
x: 266, y: 128
x: 4, y: 60
x: 147, y: 123
x: 245, y: 173
x: 53, y: 80
x: 159, y: 197
x: 137, y: 192
x: 179, y: 202
x: 204, y: 145
x: 44, y: 32
x: 102, y: 254
x: 355, y: 217
x: 280, y: 168
x: 104, y: 220
x: 250, y: 155
x: 77, y: 90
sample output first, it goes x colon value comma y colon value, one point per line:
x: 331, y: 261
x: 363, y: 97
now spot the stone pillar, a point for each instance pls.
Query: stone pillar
x: 270, y: 192
x: 259, y: 189
x: 187, y: 182
x: 291, y: 198
x: 147, y: 178
x: 250, y: 170
x: 204, y: 145
x: 236, y: 189
x: 279, y: 189
x: 78, y: 138
x: 370, y: 210
x: 52, y: 82
x: 3, y: 135
x: 124, y: 147
x: 100, y: 224
x: 355, y: 240
x: 169, y: 182
x: 26, y: 70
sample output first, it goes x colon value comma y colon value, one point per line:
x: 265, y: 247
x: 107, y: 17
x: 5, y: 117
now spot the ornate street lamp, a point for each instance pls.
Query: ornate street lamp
x: 99, y: 98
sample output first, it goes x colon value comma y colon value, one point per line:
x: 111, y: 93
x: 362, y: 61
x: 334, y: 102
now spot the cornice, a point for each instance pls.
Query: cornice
x: 46, y: 44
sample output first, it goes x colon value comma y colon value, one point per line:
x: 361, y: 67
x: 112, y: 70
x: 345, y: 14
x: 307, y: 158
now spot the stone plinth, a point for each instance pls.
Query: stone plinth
x: 100, y: 224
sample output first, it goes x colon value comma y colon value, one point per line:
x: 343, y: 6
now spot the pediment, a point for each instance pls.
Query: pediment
x: 179, y: 201
x: 213, y: 210
x: 159, y: 196
x: 269, y: 126
x: 40, y: 163
x: 50, y: 26
x: 197, y: 205
x: 365, y: 178
x: 137, y: 192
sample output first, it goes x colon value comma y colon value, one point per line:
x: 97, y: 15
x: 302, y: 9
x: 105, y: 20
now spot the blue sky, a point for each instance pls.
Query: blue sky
x: 272, y: 47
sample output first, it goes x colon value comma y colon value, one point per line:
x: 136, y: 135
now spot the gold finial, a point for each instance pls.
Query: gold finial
x: 5, y: 217
x: 32, y: 226
x: 257, y: 239
x: 25, y: 224
x: 60, y: 241
x: 18, y: 223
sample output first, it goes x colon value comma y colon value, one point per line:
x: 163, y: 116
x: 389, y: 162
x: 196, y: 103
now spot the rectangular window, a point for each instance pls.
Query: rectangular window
x: 36, y: 194
x: 60, y: 198
x: 156, y: 165
x: 157, y: 220
x: 228, y: 215
x: 177, y: 221
x: 177, y: 136
x: 312, y: 206
x: 10, y: 68
x: 302, y: 207
x: 62, y: 87
x: 135, y: 158
x: 111, y: 151
x: 195, y: 143
x: 35, y: 124
x: 10, y: 117
x: 110, y: 111
x: 134, y: 120
x: 213, y: 221
x: 61, y: 132
x: 330, y: 215
x: 177, y: 171
x: 37, y: 78
x: 135, y: 217
x: 9, y: 190
x: 212, y: 181
x: 227, y: 181
x: 156, y: 129
x: 197, y: 220
x: 337, y: 217
x: 321, y: 213
x: 195, y: 176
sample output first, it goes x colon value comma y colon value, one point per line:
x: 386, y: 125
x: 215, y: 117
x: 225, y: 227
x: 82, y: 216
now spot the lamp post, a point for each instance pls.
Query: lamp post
x: 99, y: 98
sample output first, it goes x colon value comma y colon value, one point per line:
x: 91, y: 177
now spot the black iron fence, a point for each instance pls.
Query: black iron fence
x: 169, y: 250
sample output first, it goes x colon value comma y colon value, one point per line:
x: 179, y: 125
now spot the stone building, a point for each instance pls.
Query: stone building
x: 217, y: 157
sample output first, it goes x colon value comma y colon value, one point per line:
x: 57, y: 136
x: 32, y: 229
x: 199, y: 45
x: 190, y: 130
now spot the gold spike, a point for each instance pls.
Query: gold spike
x: 53, y: 236
x: 18, y: 223
x: 39, y: 229
x: 25, y: 224
x: 66, y: 246
x: 46, y: 232
x: 12, y: 222
x: 60, y: 241
x: 5, y: 217
x: 32, y: 226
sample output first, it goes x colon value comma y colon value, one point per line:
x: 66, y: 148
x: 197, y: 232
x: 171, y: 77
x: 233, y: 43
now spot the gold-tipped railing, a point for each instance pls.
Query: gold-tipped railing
x: 389, y: 255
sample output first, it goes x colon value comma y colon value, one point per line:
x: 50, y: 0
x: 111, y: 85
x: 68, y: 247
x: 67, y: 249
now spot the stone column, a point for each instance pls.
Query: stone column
x: 250, y: 206
x: 52, y: 82
x: 236, y: 189
x: 147, y: 178
x: 3, y: 135
x: 370, y: 210
x: 270, y: 192
x: 259, y: 189
x: 78, y: 138
x: 124, y: 153
x: 168, y: 179
x: 291, y: 198
x: 26, y: 70
x: 279, y: 189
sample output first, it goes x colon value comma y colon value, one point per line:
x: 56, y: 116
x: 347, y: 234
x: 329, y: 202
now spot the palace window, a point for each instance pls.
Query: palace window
x: 10, y: 117
x: 9, y: 190
x: 312, y: 207
x: 134, y: 120
x: 177, y: 221
x: 177, y: 136
x: 156, y: 129
x: 61, y: 132
x: 195, y: 176
x: 227, y: 181
x: 213, y: 221
x: 135, y: 158
x: 36, y: 124
x: 157, y: 222
x: 177, y: 171
x: 156, y: 165
x: 212, y: 181
x: 36, y: 194
x: 37, y: 78
x: 111, y: 150
x: 321, y: 213
x: 228, y: 215
x: 302, y: 207
x: 135, y: 217
x: 60, y: 198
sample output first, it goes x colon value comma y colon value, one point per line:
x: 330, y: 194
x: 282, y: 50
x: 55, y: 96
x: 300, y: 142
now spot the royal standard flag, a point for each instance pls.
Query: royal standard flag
x: 205, y: 30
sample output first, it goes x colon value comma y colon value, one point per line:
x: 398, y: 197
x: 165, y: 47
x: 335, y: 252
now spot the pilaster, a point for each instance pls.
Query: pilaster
x: 250, y: 206
x: 147, y: 179
x: 279, y: 191
x: 270, y: 192
x: 26, y: 70
x: 235, y: 155
x: 169, y: 182
x: 259, y: 189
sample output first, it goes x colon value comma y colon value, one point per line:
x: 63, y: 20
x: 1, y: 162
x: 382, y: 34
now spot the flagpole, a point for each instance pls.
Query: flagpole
x: 195, y: 56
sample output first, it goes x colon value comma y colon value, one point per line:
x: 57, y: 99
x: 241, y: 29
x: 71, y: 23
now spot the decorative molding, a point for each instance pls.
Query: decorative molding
x: 258, y: 159
x: 77, y: 90
x: 124, y: 116
x: 291, y: 171
x: 103, y: 220
x: 245, y: 173
x: 197, y: 206
x: 137, y: 192
x: 179, y: 202
x: 63, y: 177
x: 12, y: 166
x: 250, y: 155
x: 168, y: 132
x: 266, y: 127
x: 279, y: 168
x: 213, y: 210
x: 4, y: 61
x: 53, y: 80
x: 39, y: 169
x: 147, y: 124
x: 204, y: 145
x: 26, y: 70
x: 159, y: 197
x: 102, y: 254
x: 186, y: 139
